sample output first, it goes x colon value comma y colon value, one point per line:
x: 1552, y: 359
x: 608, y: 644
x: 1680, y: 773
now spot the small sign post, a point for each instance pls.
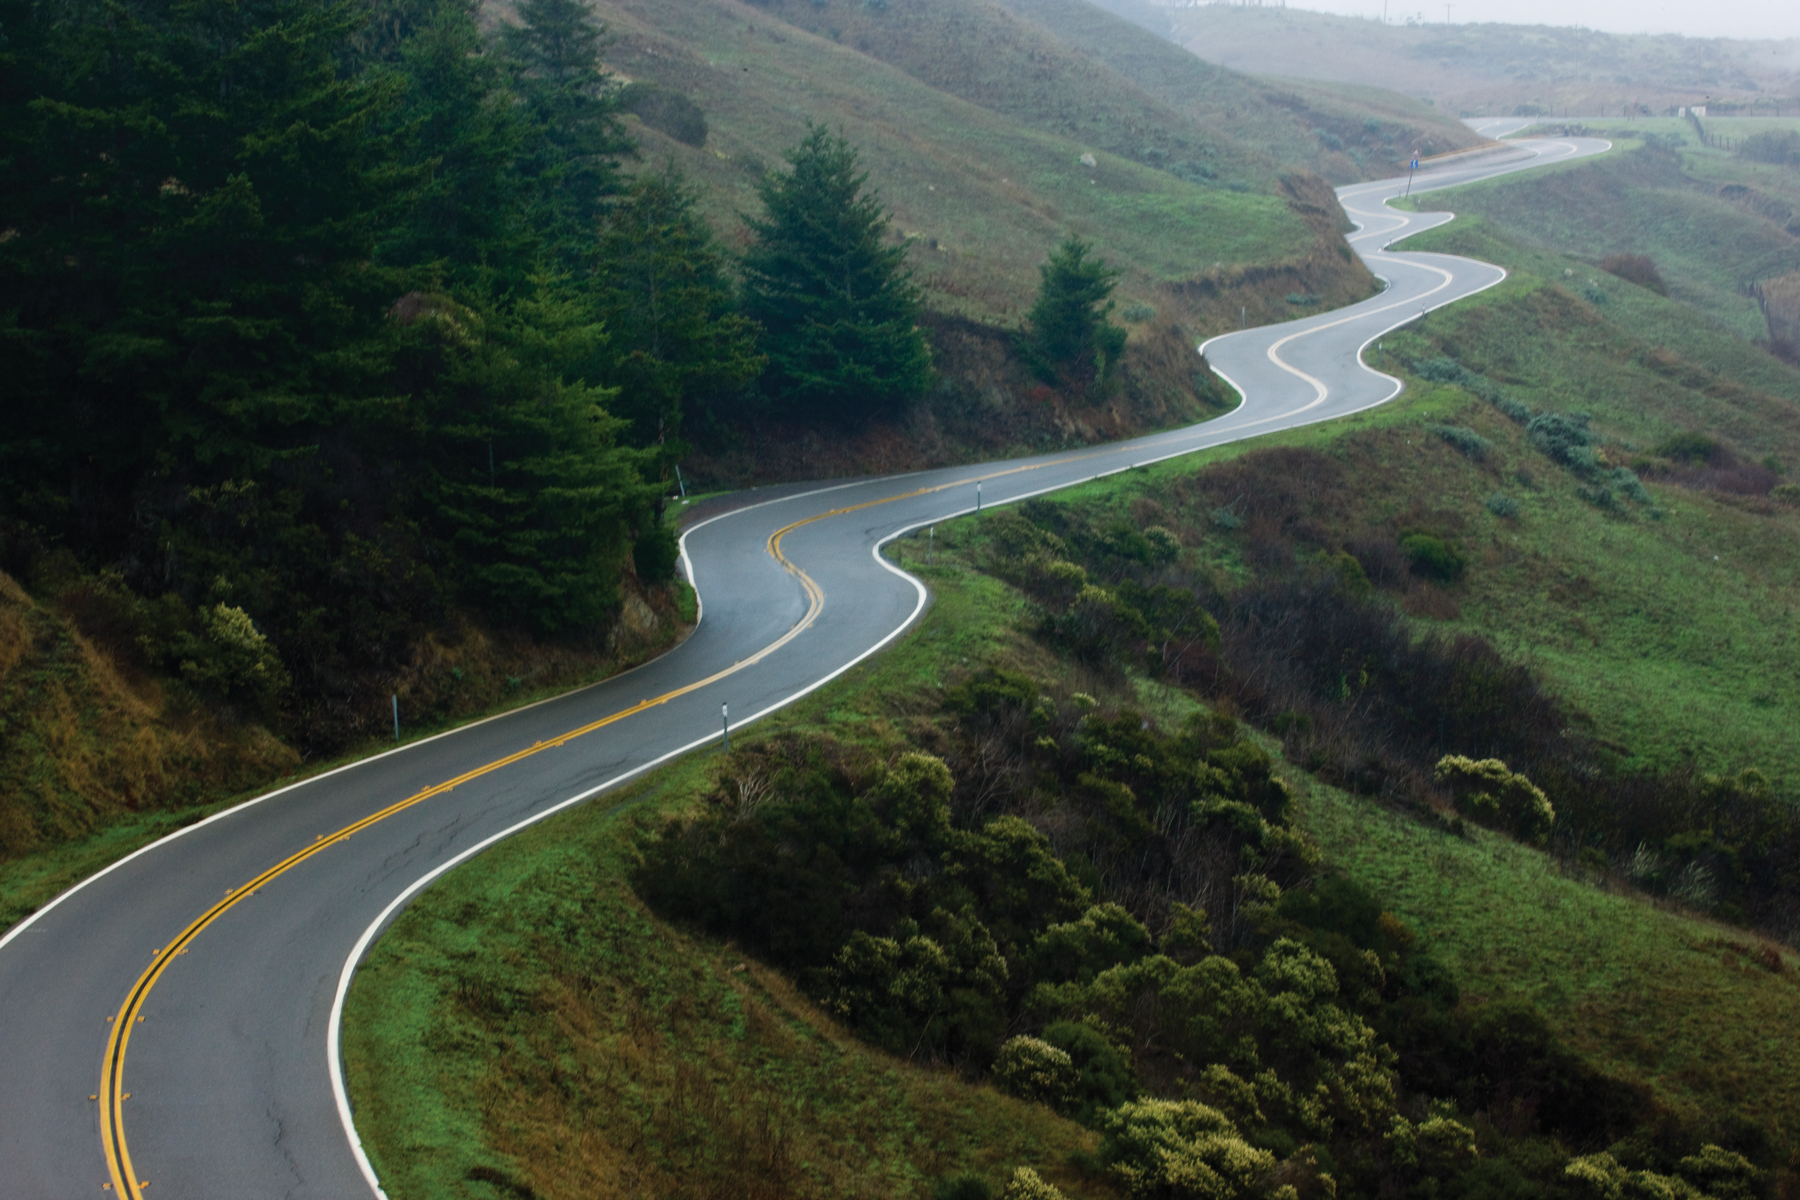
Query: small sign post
x: 1410, y: 168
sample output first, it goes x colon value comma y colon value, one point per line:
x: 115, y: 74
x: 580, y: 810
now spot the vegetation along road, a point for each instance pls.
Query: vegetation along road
x: 172, y: 1022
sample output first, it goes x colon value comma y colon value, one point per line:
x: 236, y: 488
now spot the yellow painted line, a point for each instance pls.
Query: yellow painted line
x: 112, y: 1069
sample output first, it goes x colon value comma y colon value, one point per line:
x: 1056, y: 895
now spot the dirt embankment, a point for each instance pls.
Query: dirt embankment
x: 88, y: 735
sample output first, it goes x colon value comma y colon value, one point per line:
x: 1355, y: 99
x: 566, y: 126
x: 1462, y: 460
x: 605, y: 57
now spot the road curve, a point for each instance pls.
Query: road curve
x: 171, y: 1023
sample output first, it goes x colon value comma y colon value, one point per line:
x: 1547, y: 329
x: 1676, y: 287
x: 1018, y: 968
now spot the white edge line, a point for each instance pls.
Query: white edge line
x: 43, y: 909
x: 333, y: 1033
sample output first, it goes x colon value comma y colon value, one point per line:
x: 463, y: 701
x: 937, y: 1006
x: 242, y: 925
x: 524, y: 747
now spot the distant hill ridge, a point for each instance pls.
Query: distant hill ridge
x: 1497, y: 70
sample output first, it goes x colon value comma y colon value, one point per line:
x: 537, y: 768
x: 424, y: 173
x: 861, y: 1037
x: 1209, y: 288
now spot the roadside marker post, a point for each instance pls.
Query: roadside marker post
x: 725, y: 720
x: 930, y: 545
x: 978, y: 497
x: 396, y: 716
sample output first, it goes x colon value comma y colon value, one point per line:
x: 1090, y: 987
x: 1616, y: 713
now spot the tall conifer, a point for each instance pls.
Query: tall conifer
x: 1068, y: 338
x: 837, y: 305
x: 677, y: 337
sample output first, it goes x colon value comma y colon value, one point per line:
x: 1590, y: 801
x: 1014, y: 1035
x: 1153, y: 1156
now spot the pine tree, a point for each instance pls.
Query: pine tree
x: 571, y: 162
x: 523, y: 479
x: 677, y: 338
x: 837, y: 305
x: 1068, y: 339
x: 460, y: 123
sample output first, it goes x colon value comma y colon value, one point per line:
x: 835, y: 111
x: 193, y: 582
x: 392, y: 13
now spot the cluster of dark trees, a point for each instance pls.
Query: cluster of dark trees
x: 1127, y: 925
x: 322, y: 320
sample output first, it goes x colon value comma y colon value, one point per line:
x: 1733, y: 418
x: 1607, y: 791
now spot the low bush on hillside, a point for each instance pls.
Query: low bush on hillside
x: 1123, y: 924
x: 1470, y: 443
x: 666, y: 110
x: 1772, y: 146
x: 1311, y: 646
x: 1635, y: 268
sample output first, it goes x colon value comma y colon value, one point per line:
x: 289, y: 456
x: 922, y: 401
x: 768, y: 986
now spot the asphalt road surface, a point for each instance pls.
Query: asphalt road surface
x: 172, y: 1022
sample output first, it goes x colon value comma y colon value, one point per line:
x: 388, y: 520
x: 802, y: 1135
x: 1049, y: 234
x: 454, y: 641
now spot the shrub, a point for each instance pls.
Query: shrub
x: 1433, y: 557
x: 1445, y: 370
x: 962, y: 1187
x: 665, y: 110
x: 1503, y: 505
x: 1781, y: 146
x: 1137, y: 314
x: 1489, y: 793
x: 1565, y: 438
x: 1687, y: 447
x: 1180, y: 1148
x: 1635, y: 268
x: 1786, y: 493
x: 1035, y: 1070
x: 1303, y: 299
x: 1472, y: 444
x: 1027, y: 1184
x: 1104, y: 1079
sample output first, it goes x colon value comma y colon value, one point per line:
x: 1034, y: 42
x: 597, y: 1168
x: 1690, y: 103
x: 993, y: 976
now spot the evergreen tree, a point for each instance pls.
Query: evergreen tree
x: 1068, y: 339
x: 571, y: 162
x: 837, y: 305
x: 677, y: 338
x: 460, y: 123
x: 523, y: 480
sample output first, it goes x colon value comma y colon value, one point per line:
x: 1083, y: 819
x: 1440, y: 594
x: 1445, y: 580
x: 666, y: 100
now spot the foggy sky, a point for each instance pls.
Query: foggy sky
x: 1714, y: 18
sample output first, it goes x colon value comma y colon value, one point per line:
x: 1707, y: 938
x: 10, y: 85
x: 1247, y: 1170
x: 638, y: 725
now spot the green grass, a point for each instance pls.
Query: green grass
x: 1344, y: 133
x: 1647, y: 201
x: 984, y: 183
x: 527, y: 1021
x: 1685, y: 1005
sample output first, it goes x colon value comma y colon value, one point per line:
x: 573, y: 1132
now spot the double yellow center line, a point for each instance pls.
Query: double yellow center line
x: 112, y: 1094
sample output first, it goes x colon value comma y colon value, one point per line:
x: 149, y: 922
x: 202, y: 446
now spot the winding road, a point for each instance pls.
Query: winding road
x: 169, y: 1027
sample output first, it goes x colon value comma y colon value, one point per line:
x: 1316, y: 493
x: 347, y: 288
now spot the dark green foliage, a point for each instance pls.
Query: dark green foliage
x: 1688, y: 447
x: 1772, y: 146
x: 279, y: 340
x: 1068, y: 338
x: 1635, y: 268
x: 1433, y: 557
x: 675, y: 339
x: 1448, y: 370
x: 667, y: 110
x: 570, y: 164
x: 1104, y: 1075
x: 1565, y: 438
x: 837, y: 305
x: 1502, y: 505
x: 962, y: 1187
x: 655, y: 554
x: 1466, y: 440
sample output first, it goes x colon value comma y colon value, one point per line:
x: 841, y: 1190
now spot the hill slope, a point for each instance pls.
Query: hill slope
x: 1344, y: 134
x: 1474, y: 70
x: 985, y: 177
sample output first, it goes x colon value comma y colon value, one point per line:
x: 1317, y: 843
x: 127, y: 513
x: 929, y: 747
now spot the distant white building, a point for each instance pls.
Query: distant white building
x: 1700, y: 111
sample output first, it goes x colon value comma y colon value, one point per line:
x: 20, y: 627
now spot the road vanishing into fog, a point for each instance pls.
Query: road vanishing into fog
x: 170, y: 1026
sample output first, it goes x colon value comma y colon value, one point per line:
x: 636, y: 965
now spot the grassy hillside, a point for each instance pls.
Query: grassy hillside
x: 626, y: 1054
x: 1482, y: 70
x: 983, y: 191
x: 1711, y: 221
x: 1343, y: 133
